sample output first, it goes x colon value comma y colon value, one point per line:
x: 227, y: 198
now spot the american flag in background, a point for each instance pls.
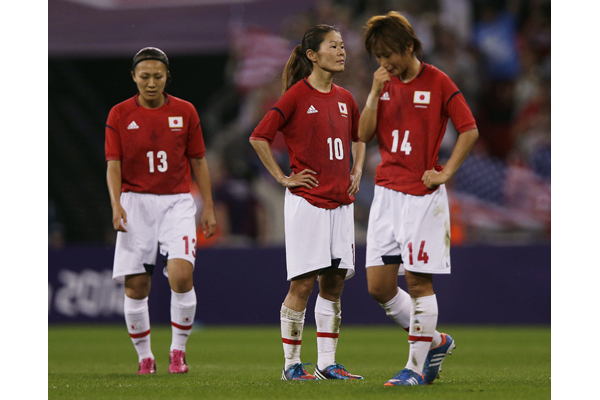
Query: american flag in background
x: 261, y: 56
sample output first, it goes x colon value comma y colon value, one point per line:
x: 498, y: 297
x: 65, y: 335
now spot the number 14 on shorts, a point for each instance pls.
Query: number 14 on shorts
x: 422, y: 256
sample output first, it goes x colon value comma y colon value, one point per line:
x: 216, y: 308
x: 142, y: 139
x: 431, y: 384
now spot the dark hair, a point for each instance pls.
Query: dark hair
x: 149, y: 53
x: 298, y: 65
x: 392, y: 31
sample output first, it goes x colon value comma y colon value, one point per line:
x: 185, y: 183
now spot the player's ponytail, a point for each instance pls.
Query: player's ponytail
x: 298, y: 65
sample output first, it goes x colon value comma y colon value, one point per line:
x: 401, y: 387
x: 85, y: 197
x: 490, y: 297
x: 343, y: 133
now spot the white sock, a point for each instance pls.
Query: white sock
x: 292, y: 324
x: 137, y: 318
x: 183, y: 311
x: 399, y: 309
x: 423, y: 320
x: 328, y: 316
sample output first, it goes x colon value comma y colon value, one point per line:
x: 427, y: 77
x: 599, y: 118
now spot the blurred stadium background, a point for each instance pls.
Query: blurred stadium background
x: 226, y: 58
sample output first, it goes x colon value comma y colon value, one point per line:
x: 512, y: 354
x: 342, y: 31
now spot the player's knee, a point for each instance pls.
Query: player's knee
x: 181, y: 283
x: 302, y: 289
x: 137, y: 288
x: 382, y: 293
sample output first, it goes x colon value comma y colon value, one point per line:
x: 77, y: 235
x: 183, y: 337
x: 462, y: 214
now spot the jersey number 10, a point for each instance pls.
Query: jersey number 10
x: 335, y: 147
x: 405, y: 146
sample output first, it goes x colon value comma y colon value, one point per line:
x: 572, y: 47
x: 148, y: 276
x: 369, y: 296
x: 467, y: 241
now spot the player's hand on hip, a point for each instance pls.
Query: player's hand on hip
x: 209, y: 223
x: 119, y: 219
x: 380, y: 77
x: 304, y: 178
x: 432, y: 178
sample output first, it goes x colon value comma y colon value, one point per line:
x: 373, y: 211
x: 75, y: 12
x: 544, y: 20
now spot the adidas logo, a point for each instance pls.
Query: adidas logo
x: 312, y: 110
x: 133, y: 125
x: 385, y: 96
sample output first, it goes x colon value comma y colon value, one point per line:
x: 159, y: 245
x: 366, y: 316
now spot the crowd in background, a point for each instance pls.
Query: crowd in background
x: 498, y: 54
x: 496, y: 51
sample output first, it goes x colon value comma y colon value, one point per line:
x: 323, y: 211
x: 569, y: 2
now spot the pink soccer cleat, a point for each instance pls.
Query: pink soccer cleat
x: 177, y: 362
x: 147, y: 366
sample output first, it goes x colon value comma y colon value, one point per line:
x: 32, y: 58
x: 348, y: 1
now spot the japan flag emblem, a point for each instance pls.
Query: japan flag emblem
x: 422, y: 97
x: 175, y: 122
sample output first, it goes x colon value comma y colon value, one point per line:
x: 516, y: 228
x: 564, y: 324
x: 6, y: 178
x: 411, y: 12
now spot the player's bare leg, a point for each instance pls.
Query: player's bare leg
x: 382, y: 282
x: 183, y: 310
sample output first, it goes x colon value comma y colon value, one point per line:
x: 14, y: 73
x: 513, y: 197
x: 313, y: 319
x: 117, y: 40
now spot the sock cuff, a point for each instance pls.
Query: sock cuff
x: 400, y: 297
x: 425, y: 305
x: 292, y: 315
x: 135, y: 306
x: 327, y: 307
x: 183, y: 300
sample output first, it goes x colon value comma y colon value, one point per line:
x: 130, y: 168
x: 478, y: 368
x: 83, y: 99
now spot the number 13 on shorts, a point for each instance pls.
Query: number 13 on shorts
x: 422, y: 256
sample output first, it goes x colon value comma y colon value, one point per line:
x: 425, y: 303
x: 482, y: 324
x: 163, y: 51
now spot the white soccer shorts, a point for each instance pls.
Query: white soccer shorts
x: 413, y: 231
x: 165, y: 222
x: 317, y: 238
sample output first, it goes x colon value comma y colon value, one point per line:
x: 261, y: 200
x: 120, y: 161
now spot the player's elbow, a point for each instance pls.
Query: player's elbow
x: 365, y: 136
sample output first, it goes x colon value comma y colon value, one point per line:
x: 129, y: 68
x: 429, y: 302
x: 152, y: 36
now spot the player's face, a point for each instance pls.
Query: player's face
x: 150, y: 76
x: 395, y: 63
x: 331, y: 56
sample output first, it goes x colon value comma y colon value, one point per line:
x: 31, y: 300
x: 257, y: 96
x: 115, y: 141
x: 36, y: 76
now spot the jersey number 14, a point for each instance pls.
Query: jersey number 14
x: 405, y: 146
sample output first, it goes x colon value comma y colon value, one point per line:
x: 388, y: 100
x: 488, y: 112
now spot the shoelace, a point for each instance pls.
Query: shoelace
x: 340, y: 370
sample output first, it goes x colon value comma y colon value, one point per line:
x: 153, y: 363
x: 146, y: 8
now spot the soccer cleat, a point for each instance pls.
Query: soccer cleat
x: 435, y: 357
x: 335, y: 371
x: 406, y: 377
x: 296, y: 372
x: 147, y: 366
x: 177, y: 362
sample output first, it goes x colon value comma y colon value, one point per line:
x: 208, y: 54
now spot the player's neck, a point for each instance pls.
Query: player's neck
x: 151, y: 103
x: 412, y: 71
x: 321, y: 80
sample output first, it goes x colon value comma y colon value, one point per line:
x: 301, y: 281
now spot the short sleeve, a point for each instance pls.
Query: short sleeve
x: 276, y: 118
x: 195, y: 144
x: 456, y: 107
x: 355, y: 119
x: 112, y: 142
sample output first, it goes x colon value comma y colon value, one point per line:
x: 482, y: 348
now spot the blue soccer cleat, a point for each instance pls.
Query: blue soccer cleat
x: 296, y: 372
x: 406, y: 377
x: 335, y: 371
x: 435, y: 357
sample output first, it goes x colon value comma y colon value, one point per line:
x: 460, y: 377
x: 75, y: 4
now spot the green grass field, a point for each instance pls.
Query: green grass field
x: 99, y: 362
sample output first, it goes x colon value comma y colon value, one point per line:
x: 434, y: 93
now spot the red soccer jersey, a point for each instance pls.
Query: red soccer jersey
x: 411, y: 122
x: 318, y: 129
x: 154, y: 145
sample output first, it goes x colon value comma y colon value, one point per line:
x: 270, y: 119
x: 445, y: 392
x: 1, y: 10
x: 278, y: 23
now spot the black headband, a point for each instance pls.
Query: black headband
x: 162, y: 60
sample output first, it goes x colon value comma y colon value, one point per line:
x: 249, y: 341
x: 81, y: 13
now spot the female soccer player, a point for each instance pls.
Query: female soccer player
x: 319, y: 120
x: 151, y: 140
x: 409, y: 222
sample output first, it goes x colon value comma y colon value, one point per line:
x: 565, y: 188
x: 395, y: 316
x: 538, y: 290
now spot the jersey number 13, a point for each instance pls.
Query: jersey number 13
x: 162, y: 159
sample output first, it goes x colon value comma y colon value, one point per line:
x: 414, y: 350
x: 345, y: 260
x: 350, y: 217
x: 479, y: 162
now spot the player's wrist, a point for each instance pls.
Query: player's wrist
x: 373, y: 100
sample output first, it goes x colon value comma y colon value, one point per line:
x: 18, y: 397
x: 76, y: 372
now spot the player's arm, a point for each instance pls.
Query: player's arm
x: 368, y: 119
x: 358, y: 154
x: 113, y: 179
x: 463, y: 146
x: 202, y: 176
x: 304, y: 178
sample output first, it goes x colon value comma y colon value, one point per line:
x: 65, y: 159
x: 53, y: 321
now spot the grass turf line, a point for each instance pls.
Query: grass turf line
x: 245, y: 362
